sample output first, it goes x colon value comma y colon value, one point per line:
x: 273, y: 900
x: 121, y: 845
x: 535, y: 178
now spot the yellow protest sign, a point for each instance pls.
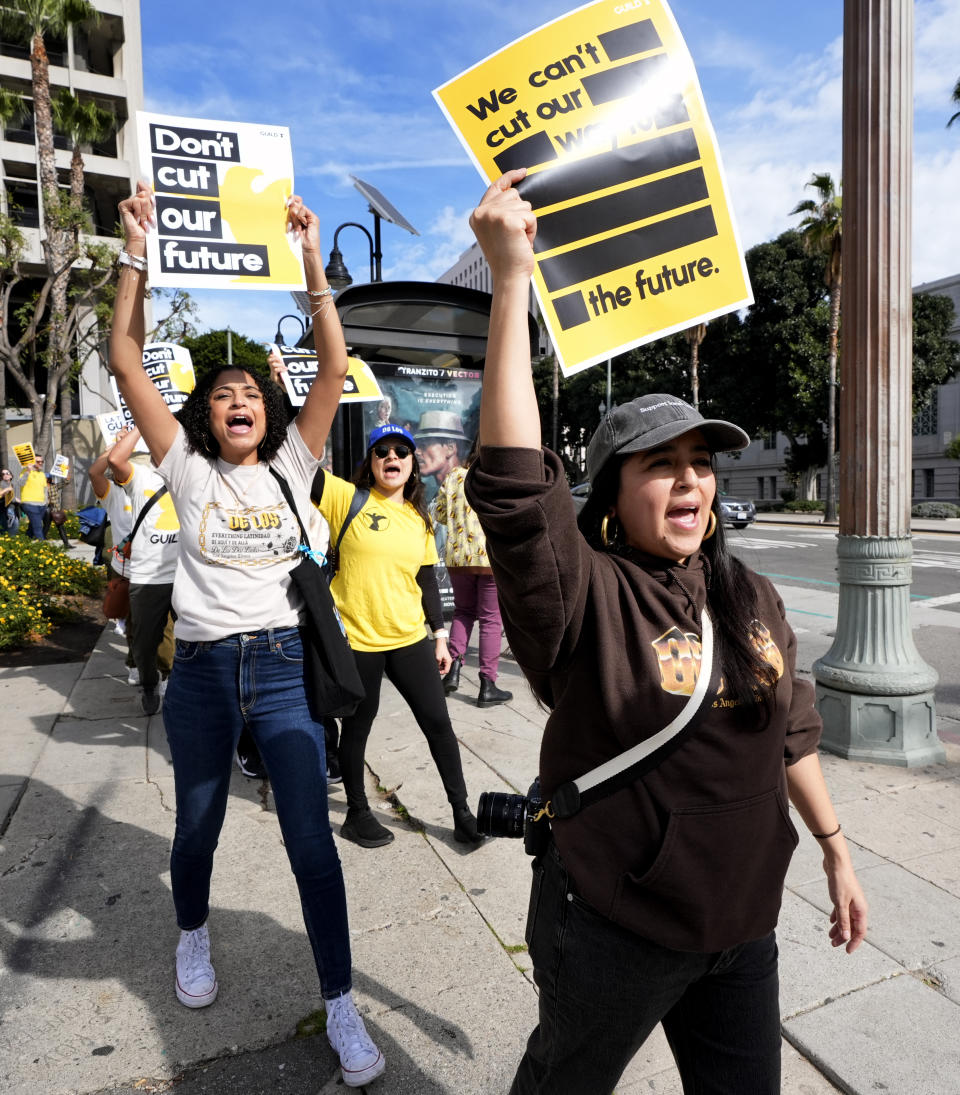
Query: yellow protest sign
x: 300, y: 367
x: 635, y: 236
x: 25, y: 454
x: 221, y: 191
x: 170, y: 367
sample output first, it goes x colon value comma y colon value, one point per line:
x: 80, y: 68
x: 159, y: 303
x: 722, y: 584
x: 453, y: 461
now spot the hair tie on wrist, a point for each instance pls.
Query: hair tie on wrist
x: 825, y: 836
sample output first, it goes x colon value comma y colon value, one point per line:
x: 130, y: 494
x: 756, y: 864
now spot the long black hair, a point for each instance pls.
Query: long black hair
x: 413, y: 489
x: 194, y: 415
x: 747, y: 677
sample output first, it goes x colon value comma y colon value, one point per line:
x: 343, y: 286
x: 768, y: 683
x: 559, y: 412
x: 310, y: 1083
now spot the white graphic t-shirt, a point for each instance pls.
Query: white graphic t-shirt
x: 154, y: 551
x: 120, y: 515
x: 238, y: 539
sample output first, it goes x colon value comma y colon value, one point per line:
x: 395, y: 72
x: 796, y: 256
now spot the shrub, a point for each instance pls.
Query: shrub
x: 804, y: 505
x: 39, y: 583
x: 941, y: 510
x: 788, y: 494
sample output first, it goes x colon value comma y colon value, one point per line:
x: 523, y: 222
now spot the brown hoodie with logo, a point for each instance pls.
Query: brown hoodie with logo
x: 692, y: 855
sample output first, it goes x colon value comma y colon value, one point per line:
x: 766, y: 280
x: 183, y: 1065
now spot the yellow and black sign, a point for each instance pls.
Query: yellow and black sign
x: 635, y: 237
x: 25, y: 454
x: 300, y: 365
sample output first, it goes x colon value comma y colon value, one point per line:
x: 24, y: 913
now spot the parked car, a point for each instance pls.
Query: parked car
x: 737, y: 511
x: 581, y: 492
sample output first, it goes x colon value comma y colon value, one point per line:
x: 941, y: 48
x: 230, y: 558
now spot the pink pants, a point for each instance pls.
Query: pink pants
x: 475, y: 600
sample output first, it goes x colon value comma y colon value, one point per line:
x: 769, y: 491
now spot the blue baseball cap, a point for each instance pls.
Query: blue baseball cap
x: 389, y: 430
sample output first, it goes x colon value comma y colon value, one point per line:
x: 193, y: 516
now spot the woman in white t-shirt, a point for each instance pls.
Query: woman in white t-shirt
x: 239, y: 658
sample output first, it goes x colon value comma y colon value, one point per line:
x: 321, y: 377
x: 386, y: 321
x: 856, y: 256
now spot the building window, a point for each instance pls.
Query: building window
x: 928, y: 477
x: 759, y: 486
x: 769, y: 441
x: 819, y: 484
x: 926, y: 420
x: 773, y: 486
x: 725, y: 484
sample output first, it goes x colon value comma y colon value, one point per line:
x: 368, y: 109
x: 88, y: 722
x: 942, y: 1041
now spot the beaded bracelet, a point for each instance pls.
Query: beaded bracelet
x: 825, y: 836
x: 328, y: 292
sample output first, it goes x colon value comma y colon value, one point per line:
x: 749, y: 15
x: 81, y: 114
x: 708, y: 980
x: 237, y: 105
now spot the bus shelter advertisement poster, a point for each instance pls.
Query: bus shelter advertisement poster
x: 635, y: 235
x: 221, y: 190
x: 439, y: 406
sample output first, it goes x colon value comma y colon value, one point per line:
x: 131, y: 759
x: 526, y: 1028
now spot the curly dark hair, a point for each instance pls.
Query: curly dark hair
x: 731, y: 596
x: 413, y: 489
x: 194, y: 415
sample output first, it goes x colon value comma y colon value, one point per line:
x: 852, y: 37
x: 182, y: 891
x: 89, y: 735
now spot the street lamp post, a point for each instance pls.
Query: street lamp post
x: 338, y: 276
x: 874, y: 691
x: 278, y: 337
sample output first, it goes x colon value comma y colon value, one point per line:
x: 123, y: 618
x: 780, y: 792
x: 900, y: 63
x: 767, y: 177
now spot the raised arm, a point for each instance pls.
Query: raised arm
x: 146, y: 404
x: 119, y: 456
x: 316, y: 415
x: 809, y: 794
x: 505, y: 226
x: 98, y: 469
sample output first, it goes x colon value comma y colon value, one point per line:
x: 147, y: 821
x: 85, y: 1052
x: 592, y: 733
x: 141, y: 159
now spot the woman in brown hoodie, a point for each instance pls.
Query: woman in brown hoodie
x: 658, y: 902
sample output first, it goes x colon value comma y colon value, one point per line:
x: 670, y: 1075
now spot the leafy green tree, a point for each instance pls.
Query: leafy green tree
x: 822, y: 232
x: 952, y: 451
x: 956, y: 99
x: 936, y: 357
x: 209, y: 351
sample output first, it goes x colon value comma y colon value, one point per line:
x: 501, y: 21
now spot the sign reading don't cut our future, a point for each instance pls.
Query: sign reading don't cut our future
x: 221, y: 191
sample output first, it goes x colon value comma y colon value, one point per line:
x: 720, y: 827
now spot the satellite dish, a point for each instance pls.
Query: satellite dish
x: 381, y: 207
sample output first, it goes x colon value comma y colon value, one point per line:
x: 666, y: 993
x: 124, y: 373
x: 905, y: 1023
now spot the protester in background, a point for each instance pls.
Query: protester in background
x: 658, y: 901
x: 120, y: 515
x: 239, y: 657
x: 385, y: 586
x: 33, y: 497
x: 474, y: 590
x: 7, y: 494
x: 151, y: 568
x: 55, y: 513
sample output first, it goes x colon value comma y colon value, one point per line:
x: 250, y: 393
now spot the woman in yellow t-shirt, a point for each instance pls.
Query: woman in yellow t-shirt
x: 33, y: 497
x: 385, y: 588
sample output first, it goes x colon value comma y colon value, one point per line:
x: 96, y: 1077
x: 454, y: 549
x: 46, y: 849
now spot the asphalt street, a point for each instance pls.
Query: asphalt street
x: 801, y: 563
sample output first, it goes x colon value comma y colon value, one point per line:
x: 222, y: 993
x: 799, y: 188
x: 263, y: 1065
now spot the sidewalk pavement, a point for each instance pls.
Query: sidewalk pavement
x: 918, y: 525
x: 87, y: 932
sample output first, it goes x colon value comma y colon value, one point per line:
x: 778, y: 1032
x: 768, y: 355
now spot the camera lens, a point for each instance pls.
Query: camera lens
x: 500, y: 814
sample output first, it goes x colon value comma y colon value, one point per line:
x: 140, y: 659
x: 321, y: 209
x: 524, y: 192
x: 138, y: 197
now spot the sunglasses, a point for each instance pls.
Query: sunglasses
x: 400, y: 451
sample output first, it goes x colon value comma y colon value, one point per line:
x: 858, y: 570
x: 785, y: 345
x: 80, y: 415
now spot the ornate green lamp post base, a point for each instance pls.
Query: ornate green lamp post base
x: 874, y: 692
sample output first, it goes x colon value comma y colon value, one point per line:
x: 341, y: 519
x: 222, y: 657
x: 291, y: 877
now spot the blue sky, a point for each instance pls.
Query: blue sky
x: 354, y: 81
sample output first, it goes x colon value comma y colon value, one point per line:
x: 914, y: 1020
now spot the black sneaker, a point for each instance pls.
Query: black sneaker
x: 465, y: 826
x: 361, y: 827
x: 333, y: 769
x: 150, y: 701
x: 249, y: 762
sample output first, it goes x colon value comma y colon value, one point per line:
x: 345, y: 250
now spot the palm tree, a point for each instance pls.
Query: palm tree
x: 695, y: 335
x: 821, y: 229
x: 35, y: 20
x: 84, y: 123
x: 956, y: 99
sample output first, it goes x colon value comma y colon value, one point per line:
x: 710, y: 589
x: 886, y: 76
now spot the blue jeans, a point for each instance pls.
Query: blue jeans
x: 215, y: 689
x: 603, y: 989
x: 35, y: 512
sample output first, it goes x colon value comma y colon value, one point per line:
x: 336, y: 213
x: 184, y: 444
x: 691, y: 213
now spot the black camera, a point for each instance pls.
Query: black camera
x: 500, y: 814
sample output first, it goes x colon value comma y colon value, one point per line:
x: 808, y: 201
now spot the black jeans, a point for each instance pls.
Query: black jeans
x: 603, y: 989
x: 149, y: 609
x: 413, y: 672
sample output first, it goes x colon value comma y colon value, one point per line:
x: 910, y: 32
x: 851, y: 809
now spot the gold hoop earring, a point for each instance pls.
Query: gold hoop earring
x: 605, y: 538
x: 711, y: 526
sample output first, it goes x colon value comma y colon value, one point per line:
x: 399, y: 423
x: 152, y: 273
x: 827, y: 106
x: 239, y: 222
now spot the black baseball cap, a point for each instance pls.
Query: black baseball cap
x: 654, y: 420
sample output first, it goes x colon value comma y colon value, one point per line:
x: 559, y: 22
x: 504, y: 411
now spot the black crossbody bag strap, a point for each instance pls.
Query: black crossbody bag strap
x: 151, y: 501
x: 357, y: 502
x: 622, y: 770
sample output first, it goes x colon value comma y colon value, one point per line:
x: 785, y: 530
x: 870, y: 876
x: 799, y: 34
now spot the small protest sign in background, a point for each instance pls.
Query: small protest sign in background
x: 635, y: 237
x: 170, y: 367
x: 221, y: 191
x: 359, y: 386
x: 25, y: 454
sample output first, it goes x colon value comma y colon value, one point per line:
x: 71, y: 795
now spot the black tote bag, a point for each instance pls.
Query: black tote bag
x: 332, y: 681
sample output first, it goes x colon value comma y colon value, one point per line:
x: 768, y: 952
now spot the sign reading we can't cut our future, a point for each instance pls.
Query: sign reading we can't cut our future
x: 221, y: 192
x: 635, y: 236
